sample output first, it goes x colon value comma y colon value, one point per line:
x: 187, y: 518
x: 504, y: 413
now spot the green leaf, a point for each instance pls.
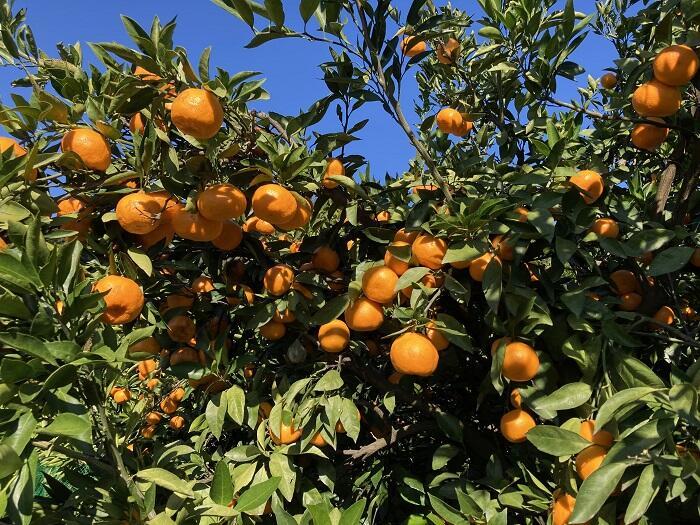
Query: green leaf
x: 648, y: 486
x: 331, y: 310
x: 595, y: 491
x: 307, y: 9
x: 280, y: 466
x: 221, y: 490
x: 353, y: 514
x: 10, y: 461
x: 69, y: 425
x: 141, y: 260
x: 257, y: 495
x: 556, y: 441
x: 631, y: 372
x: 235, y: 404
x: 331, y: 380
x: 619, y: 401
x: 460, y: 252
x: 569, y: 396
x: 13, y: 306
x: 18, y: 274
x: 684, y: 400
x: 492, y: 284
x: 565, y: 249
x: 167, y: 480
x: 410, y: 277
x: 215, y: 413
x: 29, y: 345
x: 645, y: 241
x: 443, y: 454
x: 244, y: 11
x: 275, y: 11
x: 670, y: 260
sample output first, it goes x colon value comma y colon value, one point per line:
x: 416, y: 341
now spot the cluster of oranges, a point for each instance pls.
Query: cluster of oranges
x: 660, y: 97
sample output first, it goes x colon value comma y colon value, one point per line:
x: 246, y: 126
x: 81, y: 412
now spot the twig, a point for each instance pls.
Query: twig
x: 277, y: 125
x: 395, y: 435
x: 52, y: 447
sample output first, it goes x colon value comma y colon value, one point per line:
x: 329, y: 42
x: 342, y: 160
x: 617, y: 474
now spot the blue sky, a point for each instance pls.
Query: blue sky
x: 290, y: 66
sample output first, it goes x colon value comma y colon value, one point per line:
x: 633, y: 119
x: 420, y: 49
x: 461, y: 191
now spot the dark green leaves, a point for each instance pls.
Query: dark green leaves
x: 595, y: 490
x: 256, y: 495
x: 331, y: 310
x: 567, y: 397
x: 307, y: 9
x: 670, y: 260
x: 69, y: 425
x: 556, y: 441
x: 167, y: 480
x: 221, y: 490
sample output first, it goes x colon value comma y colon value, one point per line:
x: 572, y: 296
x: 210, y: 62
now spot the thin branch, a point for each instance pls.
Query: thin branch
x: 395, y: 435
x: 277, y: 125
x: 73, y: 454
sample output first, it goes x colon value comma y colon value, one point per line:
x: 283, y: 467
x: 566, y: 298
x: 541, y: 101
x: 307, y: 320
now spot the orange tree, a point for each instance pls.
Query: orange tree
x: 214, y: 315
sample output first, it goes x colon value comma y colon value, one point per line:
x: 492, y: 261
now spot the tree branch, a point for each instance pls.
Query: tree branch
x: 396, y: 435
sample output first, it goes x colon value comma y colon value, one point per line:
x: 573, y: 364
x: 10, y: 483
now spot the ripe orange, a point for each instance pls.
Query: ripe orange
x: 274, y: 204
x: 606, y: 227
x: 221, y: 202
x: 334, y: 336
x: 394, y: 263
x: 153, y: 418
x: 562, y: 509
x: 656, y: 99
x: 183, y: 300
x: 286, y: 434
x: 138, y: 212
x: 318, y: 440
x: 145, y: 75
x: 503, y: 248
x: 516, y: 424
x: 429, y: 281
x: 168, y: 406
x: 195, y: 227
x: 589, y: 460
x: 429, y: 251
x: 520, y: 362
x: 183, y: 355
x: 516, y: 398
x: 181, y: 329
x: 381, y: 216
x: 624, y: 282
x: 301, y: 217
x: 177, y: 422
x: 137, y: 122
x: 124, y: 299
x: 145, y: 367
x: 411, y: 46
x: 168, y: 208
x: 378, y: 284
x: 435, y: 336
x: 521, y: 213
x: 90, y: 146
x: 178, y: 394
x: 69, y: 206
x: 665, y: 315
x: 248, y: 294
x: 649, y: 136
x: 120, y: 395
x: 602, y: 437
x: 448, y: 120
x: 590, y: 185
x: 333, y: 167
x: 278, y: 279
x: 17, y: 151
x: 403, y: 236
x: 676, y: 65
x: 148, y: 432
x: 230, y: 237
x: 198, y: 113
x: 413, y: 354
x: 150, y: 345
x: 364, y: 315
x: 273, y: 331
x: 630, y: 301
x: 325, y: 259
x: 257, y: 225
x: 497, y: 343
x: 448, y: 52
x: 695, y: 258
x: 608, y: 80
x: 477, y: 267
x: 202, y: 284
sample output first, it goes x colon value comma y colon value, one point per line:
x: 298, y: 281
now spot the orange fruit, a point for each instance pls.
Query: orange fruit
x: 278, y: 279
x: 333, y: 167
x: 477, y: 267
x: 150, y: 345
x: 503, y: 248
x: 606, y: 227
x: 257, y: 225
x: 73, y: 205
x: 334, y: 336
x: 403, y: 236
x: 202, y: 284
x: 516, y: 424
x: 177, y: 422
x: 608, y: 80
x: 448, y: 52
x: 429, y: 251
x: 520, y: 362
x: 221, y: 202
x: 665, y: 315
x: 153, y: 418
x: 562, y: 509
x: 589, y: 460
x: 325, y: 259
x: 198, y: 113
x: 624, y: 282
x: 181, y: 329
x: 273, y: 331
x: 145, y: 367
x: 302, y: 290
x: 448, y: 120
x: 92, y: 148
x: 413, y: 354
x: 435, y: 336
x: 392, y: 262
x: 137, y: 122
x: 168, y: 406
x: 145, y: 75
x: 676, y: 65
x: 230, y: 237
x: 318, y: 440
x: 123, y: 299
x: 17, y: 151
x: 148, y: 432
x: 695, y: 258
x: 183, y: 355
x: 516, y: 398
x: 286, y: 317
x: 168, y: 208
x: 649, y: 136
x: 378, y: 284
x: 264, y: 410
x: 177, y: 301
x: 138, y: 213
x: 301, y: 217
x: 177, y: 394
x: 120, y: 395
x: 382, y: 216
x: 630, y: 301
x: 521, y: 213
x: 195, y: 227
x: 602, y: 437
x: 248, y: 294
x: 274, y: 204
x: 364, y: 315
x: 590, y: 185
x: 286, y: 434
x: 411, y: 46
x: 656, y: 99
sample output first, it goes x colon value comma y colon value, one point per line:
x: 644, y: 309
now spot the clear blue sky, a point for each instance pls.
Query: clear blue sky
x: 290, y: 66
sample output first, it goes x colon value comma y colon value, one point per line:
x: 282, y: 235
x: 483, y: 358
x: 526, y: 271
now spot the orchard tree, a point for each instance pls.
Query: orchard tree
x: 211, y: 314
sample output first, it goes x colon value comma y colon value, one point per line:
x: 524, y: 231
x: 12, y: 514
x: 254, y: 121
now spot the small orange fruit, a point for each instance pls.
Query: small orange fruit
x: 138, y: 213
x: 318, y: 440
x: 92, y: 148
x: 124, y: 299
x: 286, y: 317
x: 589, y: 460
x: 630, y: 301
x: 413, y: 354
x: 378, y: 284
x: 198, y: 113
x: 273, y: 331
x: 17, y: 151
x: 334, y: 336
x: 325, y: 259
x: 676, y: 65
x: 177, y: 422
x: 516, y: 424
x: 562, y: 509
x: 153, y: 418
x: 168, y: 405
x: 649, y: 136
x: 448, y: 120
x: 278, y: 279
x: 333, y: 167
x: 624, y: 282
x: 448, y: 52
x: 121, y: 395
x: 411, y: 46
x: 503, y: 248
x: 178, y: 394
x: 137, y: 123
x: 364, y: 315
x: 274, y: 204
x: 665, y: 315
x: 184, y: 300
x: 394, y: 263
x: 221, y: 202
x: 230, y: 237
x: 520, y: 362
x: 184, y: 355
x: 602, y: 437
x: 195, y: 227
x: 606, y: 227
x: 590, y: 185
x: 403, y: 236
x: 516, y: 398
x: 477, y: 267
x: 202, y: 284
x: 435, y: 336
x: 301, y: 217
x: 257, y: 225
x: 150, y: 345
x: 181, y: 329
x: 148, y: 432
x: 656, y: 99
x: 248, y: 294
x: 145, y: 367
x: 608, y: 80
x: 429, y: 251
x: 286, y: 434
